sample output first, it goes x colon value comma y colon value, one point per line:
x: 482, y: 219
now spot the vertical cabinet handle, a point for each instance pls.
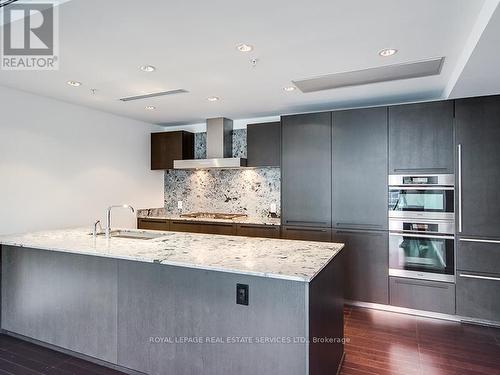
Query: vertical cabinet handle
x: 460, y: 218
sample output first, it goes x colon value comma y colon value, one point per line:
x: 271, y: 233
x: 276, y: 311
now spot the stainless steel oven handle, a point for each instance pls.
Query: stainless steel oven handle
x: 419, y: 187
x: 407, y: 234
x: 479, y: 277
x: 459, y: 161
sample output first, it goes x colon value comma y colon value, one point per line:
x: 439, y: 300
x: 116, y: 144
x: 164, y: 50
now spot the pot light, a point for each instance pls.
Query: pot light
x: 213, y: 98
x: 289, y: 88
x: 148, y: 68
x: 386, y: 52
x: 150, y: 107
x: 74, y: 83
x: 243, y: 47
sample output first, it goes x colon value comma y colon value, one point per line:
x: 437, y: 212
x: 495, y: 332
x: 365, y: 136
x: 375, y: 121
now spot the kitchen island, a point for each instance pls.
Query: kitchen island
x: 169, y: 305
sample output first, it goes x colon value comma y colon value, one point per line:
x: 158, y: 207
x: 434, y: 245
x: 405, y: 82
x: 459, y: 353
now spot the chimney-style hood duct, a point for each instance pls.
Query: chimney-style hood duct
x: 219, y: 148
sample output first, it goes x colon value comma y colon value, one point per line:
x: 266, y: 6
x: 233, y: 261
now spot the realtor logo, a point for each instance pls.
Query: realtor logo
x: 29, y: 35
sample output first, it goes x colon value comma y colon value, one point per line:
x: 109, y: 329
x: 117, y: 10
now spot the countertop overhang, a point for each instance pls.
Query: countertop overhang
x: 264, y: 257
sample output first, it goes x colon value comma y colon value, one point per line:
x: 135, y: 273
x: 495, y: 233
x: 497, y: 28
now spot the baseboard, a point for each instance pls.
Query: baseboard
x: 72, y: 353
x: 423, y: 313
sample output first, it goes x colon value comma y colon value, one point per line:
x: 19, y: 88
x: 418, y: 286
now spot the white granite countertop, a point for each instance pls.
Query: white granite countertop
x: 273, y: 258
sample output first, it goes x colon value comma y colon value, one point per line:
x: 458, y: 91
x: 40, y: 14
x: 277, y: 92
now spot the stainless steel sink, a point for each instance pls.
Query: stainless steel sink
x: 133, y: 234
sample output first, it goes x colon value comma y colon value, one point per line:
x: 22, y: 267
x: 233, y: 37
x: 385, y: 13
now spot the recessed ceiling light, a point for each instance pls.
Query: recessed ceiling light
x: 74, y: 83
x: 386, y: 52
x: 213, y: 98
x: 289, y: 88
x: 243, y: 47
x: 148, y: 68
x: 150, y: 107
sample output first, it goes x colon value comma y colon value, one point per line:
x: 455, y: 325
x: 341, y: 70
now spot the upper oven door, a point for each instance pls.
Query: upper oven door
x: 421, y: 202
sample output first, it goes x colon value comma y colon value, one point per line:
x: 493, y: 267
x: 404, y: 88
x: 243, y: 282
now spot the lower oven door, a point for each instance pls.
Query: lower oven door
x: 421, y: 256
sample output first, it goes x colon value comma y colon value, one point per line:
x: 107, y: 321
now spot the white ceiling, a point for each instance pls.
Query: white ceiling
x: 193, y: 45
x: 481, y: 75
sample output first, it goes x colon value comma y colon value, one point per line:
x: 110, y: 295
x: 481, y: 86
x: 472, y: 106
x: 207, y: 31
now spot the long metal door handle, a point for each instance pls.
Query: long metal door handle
x: 306, y: 230
x: 359, y: 225
x: 479, y: 277
x: 460, y: 218
x: 265, y: 227
x: 479, y: 240
x: 305, y: 222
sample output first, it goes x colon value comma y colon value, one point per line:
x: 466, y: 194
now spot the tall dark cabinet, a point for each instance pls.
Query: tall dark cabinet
x: 359, y: 201
x: 478, y: 135
x: 421, y: 138
x: 359, y: 191
x: 478, y: 207
x: 306, y: 167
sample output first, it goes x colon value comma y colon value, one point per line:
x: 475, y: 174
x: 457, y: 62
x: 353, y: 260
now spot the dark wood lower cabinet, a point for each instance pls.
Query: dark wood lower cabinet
x: 248, y: 230
x: 423, y: 295
x: 252, y: 230
x: 476, y: 256
x: 478, y: 295
x: 203, y: 227
x: 366, y: 265
x: 153, y: 224
x: 306, y: 233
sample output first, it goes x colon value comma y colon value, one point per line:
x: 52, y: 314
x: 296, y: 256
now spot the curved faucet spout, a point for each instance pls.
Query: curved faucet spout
x: 108, y: 216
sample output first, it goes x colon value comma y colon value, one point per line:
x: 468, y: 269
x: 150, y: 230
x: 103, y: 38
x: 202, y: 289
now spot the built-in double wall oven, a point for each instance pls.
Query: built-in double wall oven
x: 422, y: 227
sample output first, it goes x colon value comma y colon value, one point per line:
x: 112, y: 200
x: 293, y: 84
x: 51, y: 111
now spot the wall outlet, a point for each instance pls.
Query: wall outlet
x: 179, y: 205
x: 272, y: 208
x: 242, y: 294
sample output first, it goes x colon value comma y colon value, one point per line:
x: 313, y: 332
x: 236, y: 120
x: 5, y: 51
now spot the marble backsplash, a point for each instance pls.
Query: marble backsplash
x: 250, y: 191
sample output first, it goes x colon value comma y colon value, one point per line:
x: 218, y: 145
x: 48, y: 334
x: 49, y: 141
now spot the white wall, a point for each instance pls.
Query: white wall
x: 61, y: 165
x: 237, y: 124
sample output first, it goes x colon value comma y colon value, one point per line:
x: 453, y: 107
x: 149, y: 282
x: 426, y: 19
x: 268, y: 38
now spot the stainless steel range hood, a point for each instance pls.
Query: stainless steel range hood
x: 219, y: 148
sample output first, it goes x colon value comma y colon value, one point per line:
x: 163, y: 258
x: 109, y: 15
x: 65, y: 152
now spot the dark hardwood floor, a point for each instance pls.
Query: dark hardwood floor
x: 18, y: 357
x: 389, y: 343
x: 378, y: 343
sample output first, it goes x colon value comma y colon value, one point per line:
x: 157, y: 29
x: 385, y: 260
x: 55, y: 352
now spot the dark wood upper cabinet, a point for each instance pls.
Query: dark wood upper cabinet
x: 306, y: 170
x: 264, y: 144
x: 169, y: 146
x: 359, y: 186
x: 421, y: 138
x: 478, y: 134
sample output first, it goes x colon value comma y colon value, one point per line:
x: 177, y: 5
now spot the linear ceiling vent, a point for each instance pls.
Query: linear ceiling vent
x: 154, y: 95
x: 372, y: 75
x: 4, y: 3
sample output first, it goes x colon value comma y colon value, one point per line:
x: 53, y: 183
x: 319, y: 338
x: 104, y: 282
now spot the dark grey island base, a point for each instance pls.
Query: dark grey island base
x: 164, y: 319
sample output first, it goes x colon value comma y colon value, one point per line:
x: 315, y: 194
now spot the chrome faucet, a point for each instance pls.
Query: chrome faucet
x: 108, y: 217
x: 96, y: 224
